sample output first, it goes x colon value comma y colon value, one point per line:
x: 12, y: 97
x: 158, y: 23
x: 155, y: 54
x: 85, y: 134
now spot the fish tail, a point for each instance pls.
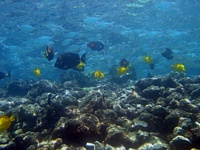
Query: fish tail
x: 48, y: 46
x: 12, y: 118
x: 83, y: 58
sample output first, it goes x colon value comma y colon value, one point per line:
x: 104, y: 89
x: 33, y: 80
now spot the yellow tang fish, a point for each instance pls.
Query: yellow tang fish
x: 148, y: 59
x: 98, y: 74
x: 122, y: 70
x: 179, y: 67
x: 37, y: 72
x: 80, y: 66
x: 5, y: 122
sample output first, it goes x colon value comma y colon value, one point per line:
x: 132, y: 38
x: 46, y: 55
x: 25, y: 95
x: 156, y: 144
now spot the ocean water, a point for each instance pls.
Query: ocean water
x: 129, y: 29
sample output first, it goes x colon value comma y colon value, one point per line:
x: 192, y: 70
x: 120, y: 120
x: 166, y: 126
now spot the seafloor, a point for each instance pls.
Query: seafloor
x: 158, y: 113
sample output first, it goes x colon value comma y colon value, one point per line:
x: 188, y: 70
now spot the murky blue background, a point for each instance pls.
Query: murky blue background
x: 129, y: 29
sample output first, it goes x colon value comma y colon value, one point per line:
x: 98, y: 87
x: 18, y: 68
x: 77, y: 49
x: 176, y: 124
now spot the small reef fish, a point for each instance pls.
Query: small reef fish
x: 149, y: 60
x: 49, y: 54
x: 96, y: 45
x: 70, y: 60
x: 122, y: 70
x: 124, y: 63
x: 167, y: 53
x: 37, y: 72
x: 5, y: 122
x: 26, y: 28
x: 178, y: 67
x: 80, y: 66
x: 98, y: 74
x: 124, y: 67
x: 3, y: 75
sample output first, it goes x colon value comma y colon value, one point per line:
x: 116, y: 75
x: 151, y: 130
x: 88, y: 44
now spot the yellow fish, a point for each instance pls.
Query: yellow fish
x: 98, y: 74
x: 122, y: 70
x: 179, y: 67
x: 80, y: 66
x: 5, y: 122
x: 148, y: 59
x: 37, y: 72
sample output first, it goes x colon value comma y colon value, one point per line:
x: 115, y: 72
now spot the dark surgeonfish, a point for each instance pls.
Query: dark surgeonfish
x: 124, y: 62
x: 49, y: 54
x: 96, y: 45
x: 70, y: 60
x: 3, y: 75
x: 167, y: 53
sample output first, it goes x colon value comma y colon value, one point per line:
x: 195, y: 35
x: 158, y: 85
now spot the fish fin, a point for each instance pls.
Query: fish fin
x: 48, y: 47
x: 12, y: 118
x: 83, y: 58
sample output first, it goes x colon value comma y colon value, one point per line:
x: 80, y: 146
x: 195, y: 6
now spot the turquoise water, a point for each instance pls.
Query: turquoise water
x: 129, y: 29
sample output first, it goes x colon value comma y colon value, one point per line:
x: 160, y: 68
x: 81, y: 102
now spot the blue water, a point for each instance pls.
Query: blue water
x: 129, y: 29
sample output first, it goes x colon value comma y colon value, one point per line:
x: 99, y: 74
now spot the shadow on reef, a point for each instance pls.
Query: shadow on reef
x: 78, y: 77
x: 153, y: 113
x: 88, y: 81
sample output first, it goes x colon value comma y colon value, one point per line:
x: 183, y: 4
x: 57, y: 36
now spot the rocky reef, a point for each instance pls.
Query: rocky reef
x: 156, y: 113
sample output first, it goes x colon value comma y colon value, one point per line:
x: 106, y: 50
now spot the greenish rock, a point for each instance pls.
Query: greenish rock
x: 146, y: 146
x: 180, y: 143
x: 4, y: 137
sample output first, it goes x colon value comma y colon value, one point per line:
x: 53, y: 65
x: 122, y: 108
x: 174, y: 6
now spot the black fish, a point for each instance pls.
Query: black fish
x: 167, y: 53
x: 49, y: 54
x: 152, y: 65
x: 3, y: 75
x: 69, y: 60
x: 96, y: 45
x: 124, y: 63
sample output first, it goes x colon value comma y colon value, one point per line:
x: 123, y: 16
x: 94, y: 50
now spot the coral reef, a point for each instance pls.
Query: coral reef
x: 153, y: 113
